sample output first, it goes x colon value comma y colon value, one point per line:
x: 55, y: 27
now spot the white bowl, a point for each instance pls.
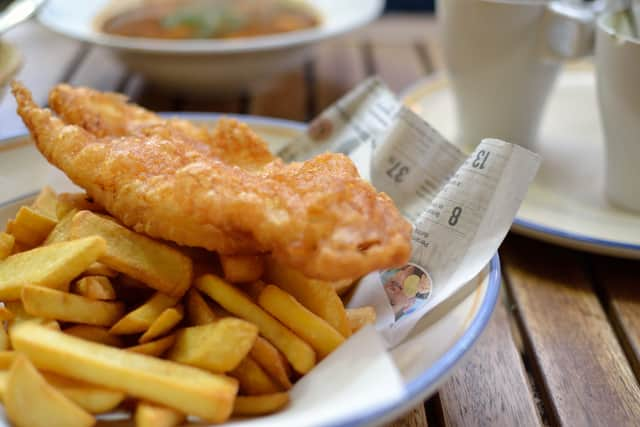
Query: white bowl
x: 10, y: 61
x: 424, y: 360
x: 208, y: 65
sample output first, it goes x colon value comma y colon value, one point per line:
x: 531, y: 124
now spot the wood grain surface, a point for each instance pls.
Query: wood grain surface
x: 586, y: 377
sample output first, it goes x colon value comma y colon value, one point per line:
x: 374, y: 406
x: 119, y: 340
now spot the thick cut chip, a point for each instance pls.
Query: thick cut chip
x: 4, y: 376
x: 362, y: 316
x: 6, y: 359
x: 53, y: 266
x: 148, y: 415
x: 198, y: 311
x: 62, y: 231
x: 260, y: 405
x: 54, y: 304
x: 154, y: 348
x: 99, y: 269
x: 318, y: 296
x: 154, y: 263
x: 95, y: 287
x: 31, y: 402
x: 140, y: 319
x: 252, y: 379
x: 298, y: 353
x: 217, y: 347
x: 89, y: 397
x: 242, y: 268
x: 343, y: 286
x: 46, y: 202
x: 34, y: 224
x: 189, y: 390
x: 6, y: 314
x: 272, y: 361
x: 163, y: 324
x: 311, y: 328
x: 4, y: 339
x: 6, y: 244
x: 95, y: 334
x: 20, y: 315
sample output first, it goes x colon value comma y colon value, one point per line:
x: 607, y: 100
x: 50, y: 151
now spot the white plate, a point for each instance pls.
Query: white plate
x: 565, y: 204
x: 10, y: 61
x: 208, y: 64
x: 425, y: 360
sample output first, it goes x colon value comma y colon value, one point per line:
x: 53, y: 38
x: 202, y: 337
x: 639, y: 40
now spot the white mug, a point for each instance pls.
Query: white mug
x: 618, y: 80
x: 502, y: 59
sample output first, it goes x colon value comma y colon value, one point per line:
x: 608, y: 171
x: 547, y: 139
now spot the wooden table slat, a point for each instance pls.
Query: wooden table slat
x: 586, y: 378
x: 619, y: 281
x: 286, y: 98
x: 491, y: 386
x: 415, y: 418
x: 99, y: 70
x: 399, y: 65
x: 338, y: 67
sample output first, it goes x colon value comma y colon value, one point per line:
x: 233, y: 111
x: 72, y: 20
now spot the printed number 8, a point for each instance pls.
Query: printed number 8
x: 455, y: 216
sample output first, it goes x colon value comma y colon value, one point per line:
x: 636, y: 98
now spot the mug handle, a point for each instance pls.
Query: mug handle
x: 569, y: 29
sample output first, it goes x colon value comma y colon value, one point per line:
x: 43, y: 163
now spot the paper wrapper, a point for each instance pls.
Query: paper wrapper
x: 461, y: 205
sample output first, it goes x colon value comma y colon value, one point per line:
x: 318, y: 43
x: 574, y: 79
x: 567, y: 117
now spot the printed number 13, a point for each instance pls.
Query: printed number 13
x: 481, y: 159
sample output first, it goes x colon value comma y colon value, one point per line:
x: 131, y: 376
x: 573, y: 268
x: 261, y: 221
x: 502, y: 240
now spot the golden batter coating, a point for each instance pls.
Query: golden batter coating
x: 221, y: 190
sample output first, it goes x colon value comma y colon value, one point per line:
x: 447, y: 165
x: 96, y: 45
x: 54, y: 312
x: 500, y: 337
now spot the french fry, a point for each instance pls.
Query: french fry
x: 6, y: 244
x: 62, y: 231
x: 95, y: 287
x: 318, y: 296
x: 272, y: 361
x: 31, y: 226
x: 6, y: 314
x: 217, y: 347
x: 148, y: 415
x: 4, y: 375
x: 46, y: 202
x: 25, y: 237
x: 260, y: 405
x: 99, y: 269
x: 169, y: 318
x: 359, y: 317
x: 184, y: 388
x: 311, y: 328
x: 154, y: 348
x: 20, y: 315
x: 156, y: 264
x: 31, y: 402
x: 242, y: 268
x: 95, y: 334
x: 298, y: 353
x: 75, y: 201
x: 91, y: 398
x: 53, y: 266
x: 6, y: 359
x: 4, y: 339
x: 198, y: 311
x: 54, y: 304
x: 140, y: 319
x: 252, y: 379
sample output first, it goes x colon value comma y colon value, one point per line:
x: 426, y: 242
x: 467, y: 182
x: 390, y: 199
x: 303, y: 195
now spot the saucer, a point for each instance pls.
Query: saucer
x: 565, y: 204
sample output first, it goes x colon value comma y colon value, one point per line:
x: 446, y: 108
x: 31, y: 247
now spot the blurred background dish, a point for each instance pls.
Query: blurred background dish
x: 10, y: 61
x: 195, y: 53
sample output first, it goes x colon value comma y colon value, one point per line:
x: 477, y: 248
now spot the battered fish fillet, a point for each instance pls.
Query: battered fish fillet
x: 220, y: 190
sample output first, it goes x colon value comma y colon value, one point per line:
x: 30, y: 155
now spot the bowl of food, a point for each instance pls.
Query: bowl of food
x: 205, y: 46
x: 178, y: 264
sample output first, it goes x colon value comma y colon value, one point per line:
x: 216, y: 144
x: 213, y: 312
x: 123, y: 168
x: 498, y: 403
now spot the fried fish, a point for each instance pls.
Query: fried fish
x: 218, y: 189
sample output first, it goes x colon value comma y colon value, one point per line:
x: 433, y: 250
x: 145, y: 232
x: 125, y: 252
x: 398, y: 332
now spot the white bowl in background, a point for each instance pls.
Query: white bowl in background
x: 10, y: 61
x: 208, y: 65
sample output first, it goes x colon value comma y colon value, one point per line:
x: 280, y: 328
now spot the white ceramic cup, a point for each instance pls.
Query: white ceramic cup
x: 618, y: 80
x: 502, y: 58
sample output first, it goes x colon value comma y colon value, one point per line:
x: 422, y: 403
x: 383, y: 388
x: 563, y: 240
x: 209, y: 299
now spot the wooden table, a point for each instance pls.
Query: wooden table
x: 564, y: 346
